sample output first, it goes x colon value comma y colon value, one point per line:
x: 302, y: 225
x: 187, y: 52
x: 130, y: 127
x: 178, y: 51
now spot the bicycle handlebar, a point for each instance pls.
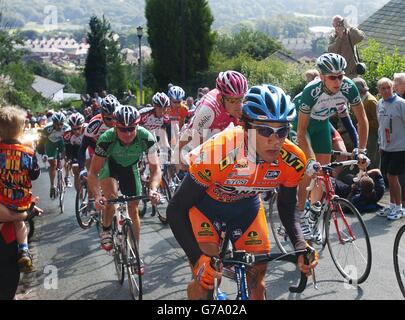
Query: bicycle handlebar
x: 123, y: 199
x: 333, y: 165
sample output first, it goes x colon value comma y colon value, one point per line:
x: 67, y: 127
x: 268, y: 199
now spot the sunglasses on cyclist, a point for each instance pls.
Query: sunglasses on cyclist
x: 267, y: 131
x: 108, y: 118
x: 233, y: 100
x: 126, y: 129
x: 77, y: 129
x: 333, y: 78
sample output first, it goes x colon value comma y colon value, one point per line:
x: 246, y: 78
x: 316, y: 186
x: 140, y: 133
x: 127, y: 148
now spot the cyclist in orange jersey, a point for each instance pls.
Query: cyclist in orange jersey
x: 226, y: 175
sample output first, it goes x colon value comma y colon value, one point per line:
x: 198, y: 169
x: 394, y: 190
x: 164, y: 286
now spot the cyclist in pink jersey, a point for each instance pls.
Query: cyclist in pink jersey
x: 217, y: 110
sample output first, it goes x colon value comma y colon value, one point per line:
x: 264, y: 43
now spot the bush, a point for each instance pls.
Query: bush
x: 380, y: 63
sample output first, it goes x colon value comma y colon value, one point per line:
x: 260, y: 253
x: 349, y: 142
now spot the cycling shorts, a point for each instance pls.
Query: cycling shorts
x: 319, y: 135
x: 72, y: 152
x: 127, y: 177
x: 245, y: 220
x: 51, y: 148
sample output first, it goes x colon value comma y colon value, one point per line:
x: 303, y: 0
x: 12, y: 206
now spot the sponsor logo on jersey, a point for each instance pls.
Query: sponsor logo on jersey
x: 203, y: 122
x: 205, y: 175
x: 236, y: 181
x: 253, y: 239
x: 237, y: 233
x: 205, y: 230
x: 228, y: 160
x: 272, y: 174
x: 292, y: 160
x: 93, y: 126
x: 315, y: 93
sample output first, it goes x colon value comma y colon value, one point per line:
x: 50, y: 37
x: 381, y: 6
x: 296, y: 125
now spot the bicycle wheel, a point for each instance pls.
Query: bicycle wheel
x: 399, y: 258
x: 348, y: 241
x: 118, y: 251
x: 83, y: 218
x: 277, y: 229
x: 61, y: 191
x: 165, y: 196
x: 133, y: 261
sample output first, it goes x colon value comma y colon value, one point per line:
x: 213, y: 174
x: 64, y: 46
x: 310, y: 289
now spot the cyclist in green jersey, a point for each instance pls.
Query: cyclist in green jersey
x: 322, y: 98
x: 116, y: 158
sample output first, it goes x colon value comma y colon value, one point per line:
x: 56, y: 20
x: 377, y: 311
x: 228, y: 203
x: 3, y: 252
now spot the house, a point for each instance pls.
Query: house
x: 48, y: 89
x: 387, y: 26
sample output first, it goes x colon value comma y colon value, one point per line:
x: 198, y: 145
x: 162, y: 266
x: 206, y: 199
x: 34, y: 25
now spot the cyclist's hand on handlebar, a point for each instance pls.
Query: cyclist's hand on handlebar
x: 363, y: 162
x: 313, y: 261
x: 154, y: 197
x: 312, y: 168
x: 100, y: 203
x: 204, y: 273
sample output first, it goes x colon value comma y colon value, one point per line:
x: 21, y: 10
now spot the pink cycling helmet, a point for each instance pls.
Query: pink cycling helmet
x: 232, y: 84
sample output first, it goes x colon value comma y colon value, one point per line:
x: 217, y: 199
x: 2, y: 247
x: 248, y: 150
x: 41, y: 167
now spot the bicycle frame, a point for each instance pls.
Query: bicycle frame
x: 240, y: 261
x: 327, y: 199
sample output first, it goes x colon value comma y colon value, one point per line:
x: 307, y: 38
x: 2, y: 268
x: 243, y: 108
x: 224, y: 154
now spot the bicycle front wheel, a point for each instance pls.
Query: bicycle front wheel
x: 348, y: 241
x: 83, y: 217
x: 133, y: 261
x: 118, y: 252
x: 277, y: 229
x: 399, y: 258
x: 61, y: 191
x: 165, y: 196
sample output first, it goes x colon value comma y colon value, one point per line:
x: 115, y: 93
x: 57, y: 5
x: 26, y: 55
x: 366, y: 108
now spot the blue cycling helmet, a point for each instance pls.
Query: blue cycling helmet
x: 176, y: 93
x: 268, y: 103
x: 127, y: 116
x: 109, y: 103
x: 58, y: 117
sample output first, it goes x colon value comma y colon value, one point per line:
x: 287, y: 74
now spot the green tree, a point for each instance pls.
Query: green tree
x: 95, y: 70
x: 380, y: 63
x: 116, y: 71
x: 255, y: 43
x: 180, y: 37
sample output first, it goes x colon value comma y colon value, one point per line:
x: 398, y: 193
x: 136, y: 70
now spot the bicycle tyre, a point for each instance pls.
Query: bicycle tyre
x: 160, y: 209
x: 81, y: 207
x: 61, y: 191
x: 277, y: 229
x: 132, y: 261
x: 338, y: 206
x: 399, y: 272
x: 118, y: 252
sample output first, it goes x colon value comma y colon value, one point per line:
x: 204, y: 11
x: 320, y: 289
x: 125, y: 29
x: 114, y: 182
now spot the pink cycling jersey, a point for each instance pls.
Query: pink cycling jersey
x: 211, y: 114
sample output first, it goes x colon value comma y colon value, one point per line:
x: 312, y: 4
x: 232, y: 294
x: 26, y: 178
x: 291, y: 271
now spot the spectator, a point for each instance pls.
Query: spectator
x: 364, y: 194
x: 95, y: 107
x: 103, y: 94
x: 98, y: 99
x: 370, y: 106
x: 129, y: 98
x: 205, y: 90
x: 399, y: 87
x: 399, y: 84
x: 391, y: 140
x: 9, y: 270
x: 340, y: 43
x: 311, y: 75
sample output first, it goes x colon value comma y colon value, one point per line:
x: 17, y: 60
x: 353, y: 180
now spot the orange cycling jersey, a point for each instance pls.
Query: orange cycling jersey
x: 177, y: 114
x: 221, y: 164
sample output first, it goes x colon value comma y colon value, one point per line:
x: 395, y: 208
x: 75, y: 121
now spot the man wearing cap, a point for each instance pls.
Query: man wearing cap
x: 370, y: 106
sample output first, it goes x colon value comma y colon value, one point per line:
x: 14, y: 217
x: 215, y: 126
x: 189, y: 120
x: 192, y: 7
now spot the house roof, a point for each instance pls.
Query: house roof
x: 47, y: 88
x: 387, y: 26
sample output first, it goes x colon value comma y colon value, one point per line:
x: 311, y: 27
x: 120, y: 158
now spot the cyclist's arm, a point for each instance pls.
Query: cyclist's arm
x: 188, y: 194
x: 289, y: 217
x: 155, y: 172
x: 349, y: 126
x: 360, y: 114
x: 81, y: 156
x: 97, y: 163
x: 303, y: 141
